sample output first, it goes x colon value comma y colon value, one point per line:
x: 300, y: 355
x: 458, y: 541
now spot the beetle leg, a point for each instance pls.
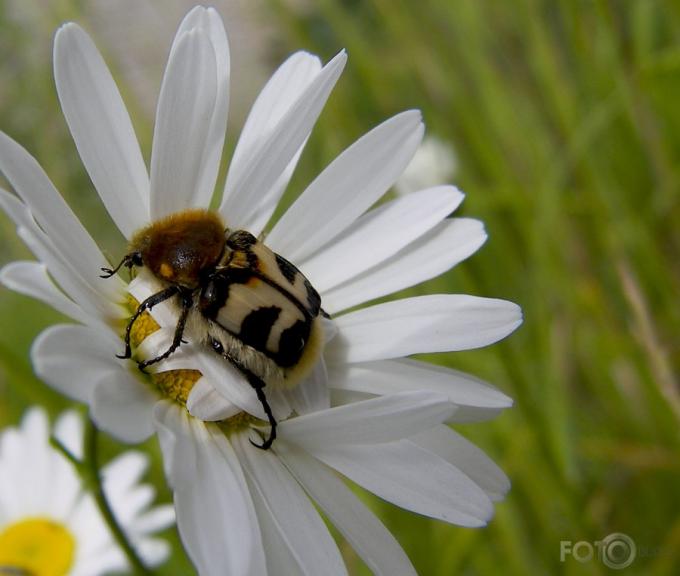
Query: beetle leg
x: 148, y: 304
x: 187, y: 303
x: 258, y: 385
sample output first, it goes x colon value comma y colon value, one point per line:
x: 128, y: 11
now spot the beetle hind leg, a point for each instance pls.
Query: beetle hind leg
x: 258, y: 385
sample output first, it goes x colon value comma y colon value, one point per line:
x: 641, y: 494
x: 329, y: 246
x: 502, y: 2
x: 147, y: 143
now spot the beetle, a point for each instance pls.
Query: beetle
x: 234, y: 295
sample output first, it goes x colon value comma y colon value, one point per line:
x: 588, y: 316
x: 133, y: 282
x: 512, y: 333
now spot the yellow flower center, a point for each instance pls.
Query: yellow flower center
x: 175, y: 384
x: 36, y: 547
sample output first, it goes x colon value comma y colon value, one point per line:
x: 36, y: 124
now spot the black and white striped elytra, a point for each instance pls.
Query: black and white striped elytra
x: 235, y: 295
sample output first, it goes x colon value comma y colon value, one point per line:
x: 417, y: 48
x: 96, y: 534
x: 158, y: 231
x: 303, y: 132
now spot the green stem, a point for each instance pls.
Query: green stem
x: 90, y: 467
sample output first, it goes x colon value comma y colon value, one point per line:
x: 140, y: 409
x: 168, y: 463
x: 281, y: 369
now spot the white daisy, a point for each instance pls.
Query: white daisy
x: 50, y: 526
x: 229, y: 496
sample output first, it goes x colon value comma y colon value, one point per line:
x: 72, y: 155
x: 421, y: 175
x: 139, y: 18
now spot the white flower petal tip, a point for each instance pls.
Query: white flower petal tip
x: 101, y: 128
x: 380, y: 234
x: 281, y: 92
x: 475, y: 399
x: 444, y: 246
x: 468, y: 458
x: 435, y: 323
x: 263, y: 168
x: 186, y: 105
x: 428, y: 485
x: 348, y: 186
x: 374, y: 421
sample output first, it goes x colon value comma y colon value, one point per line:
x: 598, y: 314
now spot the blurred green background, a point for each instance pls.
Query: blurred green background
x: 565, y: 120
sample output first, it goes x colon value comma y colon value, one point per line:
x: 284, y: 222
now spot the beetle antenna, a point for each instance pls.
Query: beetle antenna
x: 129, y: 260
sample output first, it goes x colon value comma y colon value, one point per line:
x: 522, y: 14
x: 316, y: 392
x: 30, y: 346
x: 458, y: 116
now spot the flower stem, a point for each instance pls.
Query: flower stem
x: 90, y: 467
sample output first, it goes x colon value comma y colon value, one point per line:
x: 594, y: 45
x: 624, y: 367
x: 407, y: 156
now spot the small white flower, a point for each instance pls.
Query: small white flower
x: 230, y: 497
x: 49, y: 525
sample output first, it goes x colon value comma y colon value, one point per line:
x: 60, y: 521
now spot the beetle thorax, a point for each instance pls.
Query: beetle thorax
x: 180, y: 248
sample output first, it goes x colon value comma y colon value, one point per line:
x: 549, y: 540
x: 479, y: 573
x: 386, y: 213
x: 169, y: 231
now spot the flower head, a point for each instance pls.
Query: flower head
x: 50, y: 525
x: 231, y: 497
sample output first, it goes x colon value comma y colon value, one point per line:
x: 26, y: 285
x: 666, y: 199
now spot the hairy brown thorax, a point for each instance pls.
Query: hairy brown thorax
x: 179, y: 247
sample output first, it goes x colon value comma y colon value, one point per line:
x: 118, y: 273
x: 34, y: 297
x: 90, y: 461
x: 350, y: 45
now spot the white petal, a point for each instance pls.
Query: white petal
x: 183, y: 120
x: 209, y: 21
x: 124, y: 472
x: 72, y: 279
x: 435, y: 323
x: 270, y: 159
x: 360, y: 527
x: 72, y: 359
x: 215, y: 513
x: 413, y: 478
x: 280, y: 93
x: 312, y: 394
x: 101, y: 128
x: 347, y: 187
x: 154, y: 551
x: 54, y: 216
x: 155, y: 520
x: 68, y: 429
x: 447, y: 244
x: 473, y: 396
x: 31, y: 279
x: 206, y: 404
x: 288, y: 507
x: 379, y: 234
x: 373, y: 421
x: 144, y: 285
x: 467, y: 457
x: 122, y: 406
x: 68, y: 276
x: 179, y: 457
x: 219, y: 374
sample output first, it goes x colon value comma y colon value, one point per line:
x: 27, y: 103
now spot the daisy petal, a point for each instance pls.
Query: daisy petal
x: 159, y: 518
x: 101, y: 128
x: 122, y: 406
x: 428, y: 485
x: 185, y: 108
x: 68, y: 429
x: 206, y: 404
x: 447, y: 244
x: 215, y: 514
x: 64, y: 230
x: 467, y: 457
x: 219, y: 374
x: 280, y: 93
x: 435, y: 323
x: 312, y: 394
x: 71, y: 359
x: 379, y: 234
x: 31, y: 279
x: 68, y: 275
x: 373, y: 421
x: 360, y: 527
x: 290, y: 510
x: 270, y: 159
x: 210, y: 22
x: 392, y: 376
x: 347, y: 187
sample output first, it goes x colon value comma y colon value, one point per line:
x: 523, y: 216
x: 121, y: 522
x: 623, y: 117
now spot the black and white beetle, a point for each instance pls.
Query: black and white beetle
x: 235, y: 295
